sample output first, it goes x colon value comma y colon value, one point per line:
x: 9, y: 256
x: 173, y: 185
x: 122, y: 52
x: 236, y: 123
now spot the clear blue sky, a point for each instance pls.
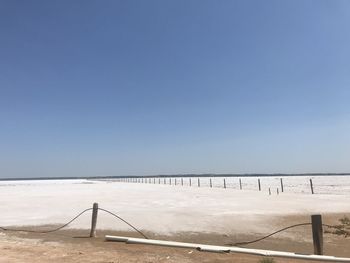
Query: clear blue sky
x: 146, y: 87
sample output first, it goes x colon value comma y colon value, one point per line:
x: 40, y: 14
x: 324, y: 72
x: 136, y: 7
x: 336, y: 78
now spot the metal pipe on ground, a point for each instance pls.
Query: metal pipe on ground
x: 226, y: 249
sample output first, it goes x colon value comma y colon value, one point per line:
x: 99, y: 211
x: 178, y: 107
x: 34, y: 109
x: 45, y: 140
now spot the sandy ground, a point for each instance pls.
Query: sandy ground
x: 72, y: 245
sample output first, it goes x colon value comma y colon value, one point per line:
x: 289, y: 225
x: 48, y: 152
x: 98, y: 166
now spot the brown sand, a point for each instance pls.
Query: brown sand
x: 74, y: 246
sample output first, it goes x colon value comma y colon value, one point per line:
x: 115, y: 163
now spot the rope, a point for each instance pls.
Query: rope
x: 47, y: 231
x: 142, y: 234
x: 138, y: 231
x: 69, y: 222
x: 269, y: 235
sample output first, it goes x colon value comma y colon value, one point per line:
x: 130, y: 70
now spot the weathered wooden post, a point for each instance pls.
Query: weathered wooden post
x: 282, y: 189
x: 164, y: 181
x: 199, y: 183
x: 211, y: 184
x: 158, y: 180
x: 175, y: 181
x: 94, y: 220
x: 182, y: 181
x: 259, y: 185
x: 277, y: 191
x: 154, y: 180
x: 240, y: 183
x: 170, y: 181
x: 269, y: 191
x: 224, y: 183
x: 311, y: 186
x: 190, y: 182
x: 317, y: 234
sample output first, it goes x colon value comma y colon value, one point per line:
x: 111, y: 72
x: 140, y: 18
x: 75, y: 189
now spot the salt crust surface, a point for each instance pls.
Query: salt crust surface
x: 167, y: 209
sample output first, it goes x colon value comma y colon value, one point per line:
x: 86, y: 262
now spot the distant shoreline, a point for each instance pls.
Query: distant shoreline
x: 172, y: 176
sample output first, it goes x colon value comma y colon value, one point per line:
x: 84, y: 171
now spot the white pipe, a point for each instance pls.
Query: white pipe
x: 227, y: 249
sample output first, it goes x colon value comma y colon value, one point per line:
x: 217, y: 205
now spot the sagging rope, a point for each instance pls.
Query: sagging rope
x: 69, y: 222
x: 142, y: 234
x: 137, y: 230
x: 269, y: 235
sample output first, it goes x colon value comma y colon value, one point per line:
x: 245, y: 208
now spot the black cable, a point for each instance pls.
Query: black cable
x: 109, y: 212
x: 257, y: 240
x: 48, y: 231
x: 278, y: 231
x: 76, y: 217
x: 139, y: 231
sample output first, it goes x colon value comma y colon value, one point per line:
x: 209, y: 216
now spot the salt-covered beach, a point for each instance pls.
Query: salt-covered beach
x: 165, y: 209
x: 186, y: 213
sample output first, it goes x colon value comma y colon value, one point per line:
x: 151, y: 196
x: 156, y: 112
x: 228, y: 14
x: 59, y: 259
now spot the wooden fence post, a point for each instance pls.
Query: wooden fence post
x: 277, y: 191
x: 282, y: 189
x: 240, y: 183
x: 199, y: 183
x: 269, y: 191
x: 312, y: 187
x: 224, y: 183
x: 317, y: 234
x: 175, y: 181
x: 94, y: 220
x: 259, y: 185
x: 170, y: 181
x: 182, y: 181
x: 190, y: 182
x: 211, y: 184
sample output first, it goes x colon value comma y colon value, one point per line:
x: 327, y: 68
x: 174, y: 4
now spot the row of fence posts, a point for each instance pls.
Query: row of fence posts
x: 149, y: 180
x: 316, y: 225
